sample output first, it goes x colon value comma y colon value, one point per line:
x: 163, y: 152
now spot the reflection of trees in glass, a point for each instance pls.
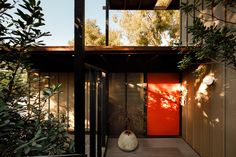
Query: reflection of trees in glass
x: 149, y: 28
x: 145, y: 28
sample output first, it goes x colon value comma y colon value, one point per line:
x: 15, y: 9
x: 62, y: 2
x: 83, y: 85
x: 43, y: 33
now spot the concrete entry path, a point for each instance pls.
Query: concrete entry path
x: 153, y: 147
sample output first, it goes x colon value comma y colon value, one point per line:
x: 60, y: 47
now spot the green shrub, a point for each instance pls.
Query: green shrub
x: 25, y: 128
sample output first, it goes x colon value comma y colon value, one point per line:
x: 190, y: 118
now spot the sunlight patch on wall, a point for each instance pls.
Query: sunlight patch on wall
x: 184, y: 92
x: 202, y: 92
x: 204, y: 114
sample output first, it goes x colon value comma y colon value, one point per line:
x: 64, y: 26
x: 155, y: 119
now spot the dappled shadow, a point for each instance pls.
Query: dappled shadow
x: 163, y: 108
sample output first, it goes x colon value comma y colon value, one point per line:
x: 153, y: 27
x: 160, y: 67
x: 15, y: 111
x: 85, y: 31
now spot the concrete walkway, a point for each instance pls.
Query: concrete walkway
x: 153, y: 147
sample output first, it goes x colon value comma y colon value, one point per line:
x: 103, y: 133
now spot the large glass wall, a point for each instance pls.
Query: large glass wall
x: 62, y: 103
x: 135, y: 102
x: 116, y: 103
x: 126, y: 103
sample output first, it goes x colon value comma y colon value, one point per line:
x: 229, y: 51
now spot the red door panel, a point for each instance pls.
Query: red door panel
x: 163, y: 104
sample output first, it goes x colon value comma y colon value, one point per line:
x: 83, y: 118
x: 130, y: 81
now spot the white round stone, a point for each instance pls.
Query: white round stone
x: 127, y: 141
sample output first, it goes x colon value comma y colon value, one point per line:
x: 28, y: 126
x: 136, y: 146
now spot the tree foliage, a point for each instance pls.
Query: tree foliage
x: 25, y: 128
x: 93, y: 34
x: 95, y: 37
x: 210, y: 42
x: 149, y: 28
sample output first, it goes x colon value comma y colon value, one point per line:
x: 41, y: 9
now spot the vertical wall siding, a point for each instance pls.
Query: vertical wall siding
x: 209, y: 16
x: 230, y: 113
x: 60, y: 104
x: 184, y: 98
x: 63, y: 94
x: 207, y: 124
x: 203, y: 112
x: 217, y: 111
x: 183, y: 33
x: 54, y: 99
x: 230, y: 16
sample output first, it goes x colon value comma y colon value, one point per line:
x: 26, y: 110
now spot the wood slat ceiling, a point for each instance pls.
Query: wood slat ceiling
x: 141, y: 5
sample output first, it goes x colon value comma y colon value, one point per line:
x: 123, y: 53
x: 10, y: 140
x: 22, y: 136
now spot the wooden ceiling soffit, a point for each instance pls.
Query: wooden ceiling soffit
x: 107, y: 50
x: 143, y: 4
x: 132, y: 4
x: 174, y: 5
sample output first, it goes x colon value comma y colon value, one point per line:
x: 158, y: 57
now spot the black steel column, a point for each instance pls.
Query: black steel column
x: 126, y: 103
x: 103, y: 96
x: 107, y: 22
x: 92, y: 113
x: 145, y: 103
x: 79, y: 77
x: 99, y: 115
x: 108, y: 75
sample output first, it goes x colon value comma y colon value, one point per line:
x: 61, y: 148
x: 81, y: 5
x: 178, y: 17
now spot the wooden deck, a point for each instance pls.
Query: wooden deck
x: 153, y: 147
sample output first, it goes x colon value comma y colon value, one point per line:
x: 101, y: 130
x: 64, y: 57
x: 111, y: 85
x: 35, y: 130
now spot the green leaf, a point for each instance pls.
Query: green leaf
x: 21, y: 23
x: 27, y: 6
x: 38, y: 24
x: 32, y: 3
x: 38, y: 146
x: 47, y: 92
x: 57, y: 87
x: 26, y: 150
x: 20, y: 13
x: 34, y: 143
x: 38, y: 3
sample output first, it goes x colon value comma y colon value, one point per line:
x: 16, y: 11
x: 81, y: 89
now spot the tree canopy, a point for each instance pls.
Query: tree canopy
x: 136, y: 28
x: 149, y: 28
x: 95, y: 37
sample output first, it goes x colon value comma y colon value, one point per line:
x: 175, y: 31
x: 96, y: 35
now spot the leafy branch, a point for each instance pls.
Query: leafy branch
x: 212, y: 43
x: 25, y: 127
x: 190, y: 8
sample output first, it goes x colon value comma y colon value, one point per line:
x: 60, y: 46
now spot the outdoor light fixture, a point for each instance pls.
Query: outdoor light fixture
x: 208, y: 80
x: 46, y: 77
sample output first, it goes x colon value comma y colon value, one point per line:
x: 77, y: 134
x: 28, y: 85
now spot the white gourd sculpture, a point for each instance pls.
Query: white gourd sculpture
x: 127, y: 141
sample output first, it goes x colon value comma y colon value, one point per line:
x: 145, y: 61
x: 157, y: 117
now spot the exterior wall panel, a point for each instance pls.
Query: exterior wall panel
x: 210, y: 120
x: 205, y: 107
x: 230, y: 112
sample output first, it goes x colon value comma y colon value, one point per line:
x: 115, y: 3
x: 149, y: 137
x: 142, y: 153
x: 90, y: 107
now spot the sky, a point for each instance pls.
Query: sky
x: 59, y: 20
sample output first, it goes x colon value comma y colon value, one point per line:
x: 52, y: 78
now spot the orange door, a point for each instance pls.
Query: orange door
x: 163, y: 104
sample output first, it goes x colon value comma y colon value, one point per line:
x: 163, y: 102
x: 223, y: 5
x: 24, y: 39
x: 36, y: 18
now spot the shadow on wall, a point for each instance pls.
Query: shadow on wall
x: 202, y: 109
x: 163, y: 108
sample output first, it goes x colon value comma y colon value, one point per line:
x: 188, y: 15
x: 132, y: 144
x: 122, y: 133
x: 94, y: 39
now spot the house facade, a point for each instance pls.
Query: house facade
x: 143, y: 87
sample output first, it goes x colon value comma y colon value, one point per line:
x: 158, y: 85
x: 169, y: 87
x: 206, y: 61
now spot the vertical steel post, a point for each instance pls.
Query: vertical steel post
x: 126, y: 103
x: 107, y: 22
x: 79, y: 76
x: 99, y: 115
x: 92, y: 80
x: 103, y: 108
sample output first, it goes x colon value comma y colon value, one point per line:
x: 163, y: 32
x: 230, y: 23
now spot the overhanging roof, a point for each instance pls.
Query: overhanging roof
x: 108, y: 50
x: 142, y: 4
x: 110, y: 58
